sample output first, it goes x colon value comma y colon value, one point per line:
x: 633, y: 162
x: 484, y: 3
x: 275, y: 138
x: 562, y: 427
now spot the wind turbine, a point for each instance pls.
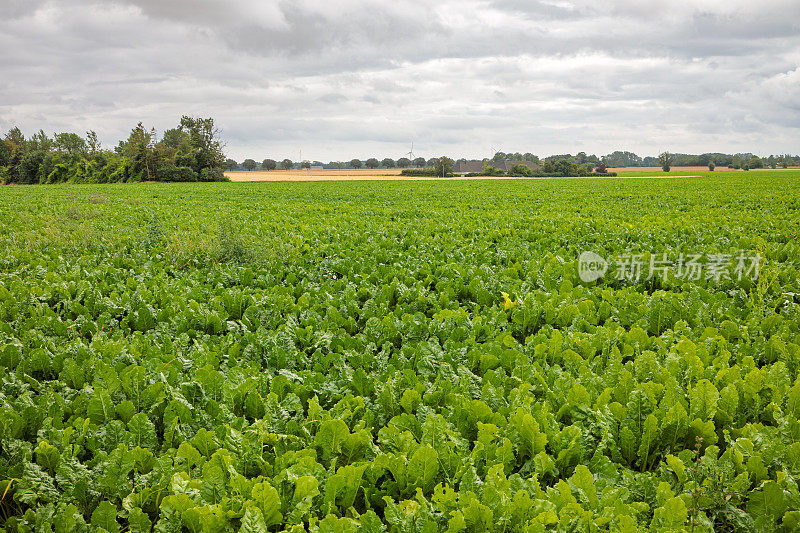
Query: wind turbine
x: 410, y: 154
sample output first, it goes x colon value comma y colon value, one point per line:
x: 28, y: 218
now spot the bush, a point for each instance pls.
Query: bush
x: 520, y: 170
x: 489, y: 170
x: 711, y: 167
x: 175, y: 173
x: 212, y: 174
x: 428, y: 172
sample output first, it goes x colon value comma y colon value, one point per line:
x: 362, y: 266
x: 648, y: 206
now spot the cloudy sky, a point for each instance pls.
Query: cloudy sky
x: 357, y: 78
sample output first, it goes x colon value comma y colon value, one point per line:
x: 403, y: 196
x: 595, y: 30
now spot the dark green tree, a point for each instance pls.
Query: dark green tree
x: 204, y: 140
x: 372, y: 163
x: 140, y: 151
x: 388, y: 163
x: 71, y: 144
x: 287, y: 164
x: 355, y: 163
x: 665, y: 159
x: 92, y: 142
x: 755, y: 162
x: 269, y: 164
x: 249, y: 164
x: 443, y: 166
x: 520, y: 170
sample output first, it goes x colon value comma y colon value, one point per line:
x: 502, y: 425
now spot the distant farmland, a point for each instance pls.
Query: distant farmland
x: 311, y: 175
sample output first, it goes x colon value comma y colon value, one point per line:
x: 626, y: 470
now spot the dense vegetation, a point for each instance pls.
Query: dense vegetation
x: 190, y: 152
x: 397, y: 356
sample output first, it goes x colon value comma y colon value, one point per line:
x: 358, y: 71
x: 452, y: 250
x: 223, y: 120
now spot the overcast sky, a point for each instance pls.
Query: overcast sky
x: 355, y: 78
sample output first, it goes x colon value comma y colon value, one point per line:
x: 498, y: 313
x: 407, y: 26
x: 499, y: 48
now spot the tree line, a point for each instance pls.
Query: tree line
x: 581, y: 159
x: 371, y: 163
x: 190, y: 152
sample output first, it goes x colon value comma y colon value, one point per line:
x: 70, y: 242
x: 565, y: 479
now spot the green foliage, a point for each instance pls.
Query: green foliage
x: 443, y: 167
x: 189, y: 153
x: 407, y: 356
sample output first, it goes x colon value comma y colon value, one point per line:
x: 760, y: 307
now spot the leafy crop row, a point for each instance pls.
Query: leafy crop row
x: 342, y: 356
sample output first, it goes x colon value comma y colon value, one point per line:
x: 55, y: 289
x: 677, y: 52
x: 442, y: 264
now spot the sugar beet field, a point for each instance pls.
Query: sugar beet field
x: 402, y: 356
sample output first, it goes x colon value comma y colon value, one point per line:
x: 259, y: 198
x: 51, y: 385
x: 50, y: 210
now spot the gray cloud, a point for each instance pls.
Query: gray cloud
x: 365, y: 77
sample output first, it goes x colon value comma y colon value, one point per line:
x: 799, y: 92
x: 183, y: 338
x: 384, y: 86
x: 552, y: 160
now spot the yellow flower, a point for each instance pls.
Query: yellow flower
x: 508, y: 303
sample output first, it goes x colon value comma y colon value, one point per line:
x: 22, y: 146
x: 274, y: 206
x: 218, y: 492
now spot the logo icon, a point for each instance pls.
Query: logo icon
x: 591, y: 266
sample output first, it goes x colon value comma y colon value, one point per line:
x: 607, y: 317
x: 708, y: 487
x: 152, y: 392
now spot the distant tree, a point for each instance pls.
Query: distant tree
x: 784, y: 162
x: 431, y: 162
x: 140, y: 150
x: 755, y: 162
x: 355, y: 163
x: 443, y: 166
x: 499, y: 157
x: 711, y: 166
x: 565, y: 167
x: 336, y: 164
x: 269, y: 164
x: 40, y: 141
x: 5, y: 153
x: 372, y: 163
x: 287, y: 164
x: 404, y: 162
x: 249, y: 164
x: 205, y: 142
x: 520, y: 170
x: 527, y: 156
x: 306, y: 165
x: 419, y: 162
x: 93, y: 142
x: 29, y: 166
x: 489, y: 170
x: 622, y: 159
x: 665, y: 159
x: 230, y: 164
x: 601, y: 168
x: 388, y: 163
x: 176, y: 139
x: 70, y: 143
